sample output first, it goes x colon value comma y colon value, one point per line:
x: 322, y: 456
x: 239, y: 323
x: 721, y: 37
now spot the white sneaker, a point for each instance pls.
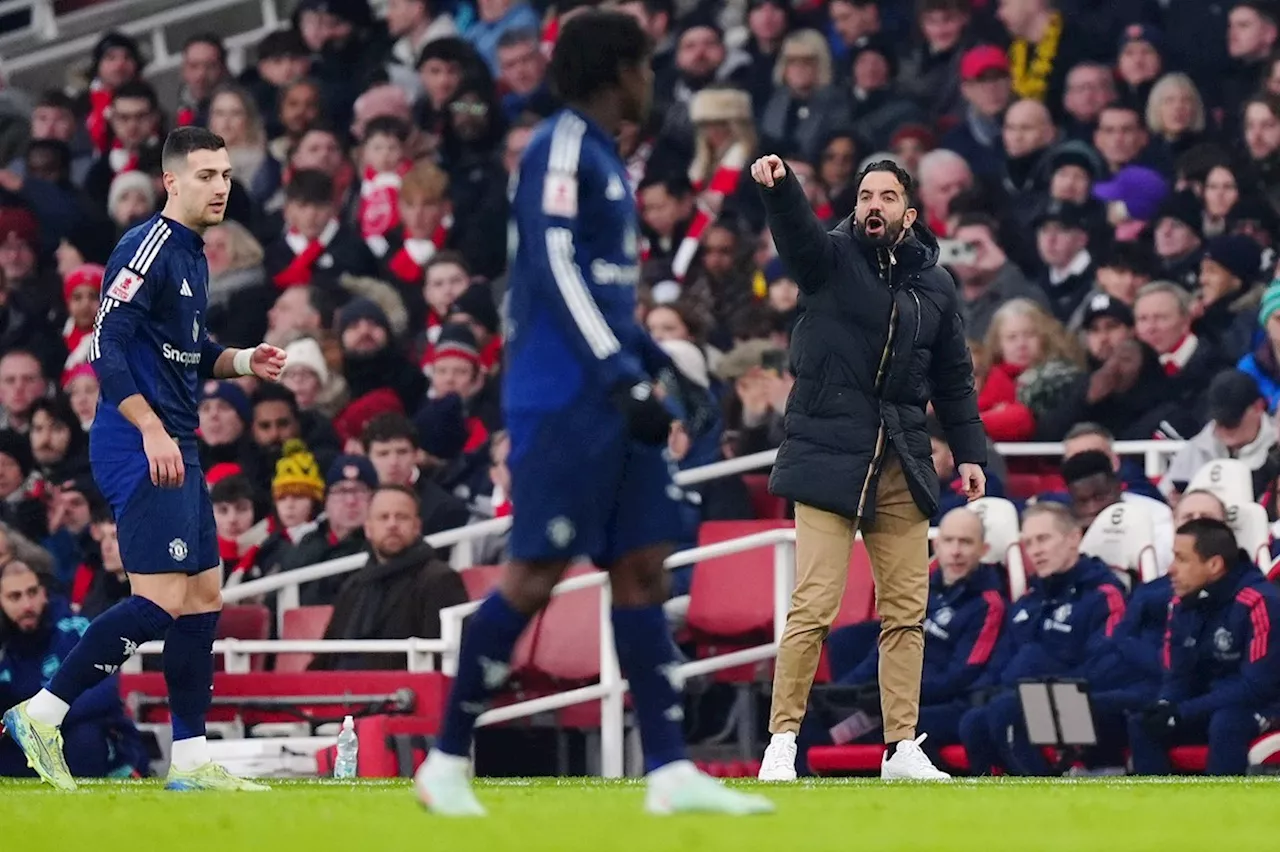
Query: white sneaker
x: 679, y: 788
x: 443, y: 785
x: 910, y: 763
x: 779, y: 762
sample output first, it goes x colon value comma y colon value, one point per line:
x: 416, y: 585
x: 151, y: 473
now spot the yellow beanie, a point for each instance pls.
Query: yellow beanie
x: 297, y: 473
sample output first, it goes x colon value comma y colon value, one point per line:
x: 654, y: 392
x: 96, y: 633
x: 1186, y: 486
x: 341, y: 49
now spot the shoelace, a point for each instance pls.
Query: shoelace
x: 784, y: 755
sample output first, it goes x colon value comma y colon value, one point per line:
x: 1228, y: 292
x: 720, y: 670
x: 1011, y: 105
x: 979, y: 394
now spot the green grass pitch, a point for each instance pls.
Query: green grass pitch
x: 567, y: 815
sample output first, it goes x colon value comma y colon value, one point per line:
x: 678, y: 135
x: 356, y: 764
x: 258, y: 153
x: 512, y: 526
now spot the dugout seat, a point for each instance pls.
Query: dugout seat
x: 1228, y: 479
x: 766, y: 506
x: 1001, y: 529
x: 1253, y: 532
x: 1265, y: 751
x: 302, y: 622
x: 245, y: 621
x: 1123, y: 536
x: 731, y: 597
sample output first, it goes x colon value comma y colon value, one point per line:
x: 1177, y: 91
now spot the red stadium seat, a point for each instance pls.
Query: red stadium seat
x: 302, y: 622
x: 480, y: 580
x: 1022, y: 486
x: 731, y: 597
x: 845, y: 759
x: 567, y: 650
x: 245, y: 621
x: 767, y: 507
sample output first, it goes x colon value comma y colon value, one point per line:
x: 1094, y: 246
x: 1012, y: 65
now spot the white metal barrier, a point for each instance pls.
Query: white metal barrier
x: 421, y: 653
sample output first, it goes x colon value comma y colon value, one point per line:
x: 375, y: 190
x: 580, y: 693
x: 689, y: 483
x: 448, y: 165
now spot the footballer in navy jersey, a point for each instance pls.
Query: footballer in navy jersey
x: 587, y: 427
x: 151, y: 351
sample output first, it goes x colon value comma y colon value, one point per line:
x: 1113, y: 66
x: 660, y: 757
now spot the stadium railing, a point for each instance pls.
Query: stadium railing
x: 287, y: 585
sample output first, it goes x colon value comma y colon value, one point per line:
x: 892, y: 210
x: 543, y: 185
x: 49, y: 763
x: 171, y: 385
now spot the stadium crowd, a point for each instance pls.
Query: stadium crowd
x: 1102, y: 178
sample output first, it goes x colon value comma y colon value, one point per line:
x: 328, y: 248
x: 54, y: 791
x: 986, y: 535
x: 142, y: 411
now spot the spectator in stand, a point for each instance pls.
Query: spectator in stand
x: 297, y: 112
x: 69, y: 504
x: 522, y: 74
x: 414, y: 24
x: 1178, y: 243
x: 316, y: 247
x: 1090, y: 89
x: 80, y: 291
x: 1058, y: 629
x: 22, y: 382
x: 666, y: 211
x: 1229, y: 269
x: 53, y: 119
x: 204, y: 69
x: 24, y: 330
x: 105, y: 583
x: 456, y: 370
x: 348, y: 488
x: 1262, y: 144
x: 59, y: 446
x: 1175, y: 116
x: 20, y: 508
x: 1162, y: 320
x: 1221, y: 192
x: 80, y: 384
x: 1238, y: 428
x: 941, y: 176
x: 987, y: 278
x: 1033, y: 363
x: 952, y: 494
x: 297, y: 494
x: 131, y: 200
x: 931, y: 71
x: 477, y: 183
x: 1221, y: 675
x: 419, y: 240
x: 283, y: 61
x: 1133, y: 197
x: 801, y: 107
x: 1093, y: 484
x: 987, y: 90
x: 1045, y: 46
x: 1263, y: 363
x: 1138, y: 65
x: 657, y: 18
x: 1087, y: 436
x: 1251, y: 39
x: 135, y: 124
x: 233, y: 514
x: 237, y: 283
x: 853, y: 24
x: 441, y: 67
x: 963, y: 622
x: 495, y: 19
x: 277, y: 419
x: 225, y: 416
x: 37, y: 631
x: 370, y: 360
x: 754, y: 411
x: 1062, y: 242
x: 701, y: 60
x: 476, y: 309
x: 116, y: 62
x: 399, y: 593
x: 1074, y: 169
x: 391, y: 444
x: 234, y: 116
x: 1028, y: 136
x: 875, y: 106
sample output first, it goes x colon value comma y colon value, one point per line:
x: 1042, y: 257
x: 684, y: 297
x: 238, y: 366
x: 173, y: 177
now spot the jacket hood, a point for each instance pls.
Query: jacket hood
x: 412, y: 560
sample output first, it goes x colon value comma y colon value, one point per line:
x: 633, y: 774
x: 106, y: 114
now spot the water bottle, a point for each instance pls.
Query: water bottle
x: 348, y: 748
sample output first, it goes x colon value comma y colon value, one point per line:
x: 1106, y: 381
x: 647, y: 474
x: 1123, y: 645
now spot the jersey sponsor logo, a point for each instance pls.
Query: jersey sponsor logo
x: 124, y: 286
x: 611, y: 273
x: 560, y: 195
x: 186, y: 289
x: 178, y: 356
x: 615, y: 191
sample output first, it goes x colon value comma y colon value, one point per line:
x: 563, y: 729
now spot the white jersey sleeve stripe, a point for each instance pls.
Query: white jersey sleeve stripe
x: 95, y: 350
x: 150, y: 256
x: 147, y: 241
x: 566, y: 144
x: 573, y: 289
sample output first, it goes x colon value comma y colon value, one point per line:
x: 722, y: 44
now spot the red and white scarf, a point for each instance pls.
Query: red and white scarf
x: 724, y: 181
x: 1175, y: 360
x: 409, y: 262
x: 77, y: 341
x: 305, y: 254
x: 96, y: 122
x: 380, y: 201
x: 121, y: 159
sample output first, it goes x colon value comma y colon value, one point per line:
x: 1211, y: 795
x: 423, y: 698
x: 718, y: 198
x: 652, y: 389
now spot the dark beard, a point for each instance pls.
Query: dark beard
x: 888, y: 236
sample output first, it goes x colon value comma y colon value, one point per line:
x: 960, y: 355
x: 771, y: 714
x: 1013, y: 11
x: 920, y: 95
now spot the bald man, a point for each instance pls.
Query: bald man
x: 962, y: 624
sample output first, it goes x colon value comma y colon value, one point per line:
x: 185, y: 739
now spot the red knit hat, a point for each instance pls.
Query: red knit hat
x: 22, y: 223
x: 84, y: 275
x: 351, y: 421
x: 221, y: 471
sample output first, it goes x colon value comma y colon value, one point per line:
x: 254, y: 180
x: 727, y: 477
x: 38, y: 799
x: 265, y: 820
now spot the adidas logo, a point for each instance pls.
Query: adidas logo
x: 109, y: 669
x: 186, y: 288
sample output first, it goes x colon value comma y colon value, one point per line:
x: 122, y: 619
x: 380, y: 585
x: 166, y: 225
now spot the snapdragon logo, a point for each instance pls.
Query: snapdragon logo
x: 611, y: 273
x: 186, y: 359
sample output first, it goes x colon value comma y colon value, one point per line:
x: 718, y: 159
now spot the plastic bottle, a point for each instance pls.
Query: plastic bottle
x: 348, y: 749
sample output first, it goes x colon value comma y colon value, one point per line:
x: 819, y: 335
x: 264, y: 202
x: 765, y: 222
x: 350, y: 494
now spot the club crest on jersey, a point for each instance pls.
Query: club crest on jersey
x: 124, y: 286
x: 178, y: 550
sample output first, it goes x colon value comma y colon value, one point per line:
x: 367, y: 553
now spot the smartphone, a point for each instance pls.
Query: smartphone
x: 776, y: 360
x: 955, y: 251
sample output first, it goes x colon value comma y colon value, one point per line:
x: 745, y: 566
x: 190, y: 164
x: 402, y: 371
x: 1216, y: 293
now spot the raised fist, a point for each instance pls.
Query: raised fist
x: 769, y: 170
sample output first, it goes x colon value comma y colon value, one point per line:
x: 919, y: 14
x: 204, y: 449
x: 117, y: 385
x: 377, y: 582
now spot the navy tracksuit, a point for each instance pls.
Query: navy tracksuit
x: 1060, y: 628
x: 961, y: 631
x: 1221, y: 672
x: 1127, y: 677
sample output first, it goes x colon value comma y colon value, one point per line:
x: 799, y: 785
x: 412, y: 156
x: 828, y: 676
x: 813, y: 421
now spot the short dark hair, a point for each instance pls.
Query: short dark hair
x: 980, y: 220
x: 1087, y: 464
x: 139, y: 90
x: 282, y: 44
x: 184, y: 140
x: 1212, y: 538
x: 518, y: 36
x: 210, y: 39
x: 1089, y: 428
x: 386, y: 125
x: 450, y: 257
x: 396, y: 488
x: 1119, y: 106
x: 231, y: 489
x: 100, y: 513
x: 388, y: 427
x: 903, y: 176
x: 57, y: 99
x: 271, y: 392
x: 591, y: 52
x: 657, y: 7
x: 451, y: 49
x: 1133, y: 257
x: 924, y: 7
x: 675, y: 183
x: 309, y: 186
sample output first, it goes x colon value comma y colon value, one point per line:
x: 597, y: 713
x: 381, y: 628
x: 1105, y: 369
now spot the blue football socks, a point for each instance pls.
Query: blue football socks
x: 646, y: 655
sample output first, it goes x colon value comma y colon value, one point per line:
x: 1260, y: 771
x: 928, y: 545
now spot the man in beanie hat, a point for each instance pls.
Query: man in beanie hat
x: 225, y: 415
x: 370, y: 361
x: 350, y: 422
x: 456, y: 370
x: 117, y: 60
x: 1178, y: 243
x: 1138, y: 64
x: 477, y: 309
x: 1230, y: 267
x: 349, y: 484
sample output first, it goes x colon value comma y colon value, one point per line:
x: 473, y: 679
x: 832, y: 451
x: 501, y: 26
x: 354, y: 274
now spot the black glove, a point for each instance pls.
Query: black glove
x: 1160, y: 719
x: 648, y: 420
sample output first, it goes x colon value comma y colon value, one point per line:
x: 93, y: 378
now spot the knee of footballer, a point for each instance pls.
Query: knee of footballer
x: 167, y: 591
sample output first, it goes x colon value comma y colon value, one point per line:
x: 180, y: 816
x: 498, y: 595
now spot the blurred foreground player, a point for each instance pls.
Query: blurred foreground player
x: 587, y: 431
x: 151, y: 354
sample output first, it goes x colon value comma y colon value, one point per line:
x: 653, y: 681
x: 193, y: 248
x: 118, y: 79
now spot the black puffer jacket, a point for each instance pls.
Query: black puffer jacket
x: 859, y: 394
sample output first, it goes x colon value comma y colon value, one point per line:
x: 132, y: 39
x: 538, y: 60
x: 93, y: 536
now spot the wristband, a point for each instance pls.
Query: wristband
x: 241, y: 362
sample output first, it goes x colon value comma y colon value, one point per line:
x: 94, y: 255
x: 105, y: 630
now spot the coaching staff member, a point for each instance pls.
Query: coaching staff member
x: 878, y: 338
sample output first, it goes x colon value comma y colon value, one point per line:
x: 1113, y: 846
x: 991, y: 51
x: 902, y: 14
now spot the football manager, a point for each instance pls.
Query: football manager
x: 878, y: 339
